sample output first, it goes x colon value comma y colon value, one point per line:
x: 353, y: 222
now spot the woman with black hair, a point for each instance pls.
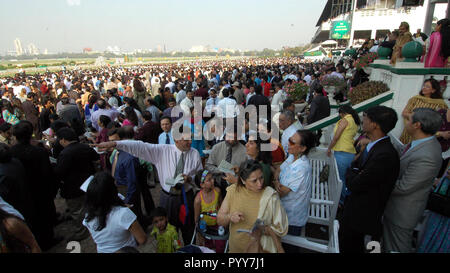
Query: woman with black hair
x: 112, y: 224
x: 342, y: 143
x: 139, y: 92
x: 8, y: 113
x: 429, y: 97
x: 131, y: 118
x: 263, y: 156
x: 245, y: 202
x: 129, y: 102
x: 439, y: 49
x: 294, y: 181
x: 90, y: 108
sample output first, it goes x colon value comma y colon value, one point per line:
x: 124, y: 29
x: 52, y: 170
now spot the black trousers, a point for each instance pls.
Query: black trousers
x: 350, y: 240
x: 42, y: 223
x: 144, y: 189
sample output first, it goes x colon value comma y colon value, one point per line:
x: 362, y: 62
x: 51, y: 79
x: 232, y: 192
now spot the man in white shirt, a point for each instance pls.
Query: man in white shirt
x: 187, y: 103
x: 307, y: 79
x: 166, y: 136
x: 67, y: 83
x: 278, y: 98
x: 289, y: 126
x: 17, y: 88
x: 156, y: 84
x: 170, y: 161
x: 104, y: 109
x: 171, y: 86
x: 227, y: 107
x: 250, y: 94
x: 212, y: 102
x: 181, y: 94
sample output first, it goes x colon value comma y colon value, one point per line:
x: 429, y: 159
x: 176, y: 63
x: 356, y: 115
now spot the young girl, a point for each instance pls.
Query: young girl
x: 208, y: 200
x: 165, y: 234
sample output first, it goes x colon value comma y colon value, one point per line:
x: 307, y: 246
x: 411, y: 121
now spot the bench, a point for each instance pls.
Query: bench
x: 323, y: 205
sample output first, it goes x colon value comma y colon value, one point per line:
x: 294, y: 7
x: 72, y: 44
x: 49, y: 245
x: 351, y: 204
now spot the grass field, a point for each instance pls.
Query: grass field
x: 11, y: 67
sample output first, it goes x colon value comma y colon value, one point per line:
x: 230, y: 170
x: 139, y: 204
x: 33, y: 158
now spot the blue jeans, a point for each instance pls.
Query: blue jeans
x: 343, y: 160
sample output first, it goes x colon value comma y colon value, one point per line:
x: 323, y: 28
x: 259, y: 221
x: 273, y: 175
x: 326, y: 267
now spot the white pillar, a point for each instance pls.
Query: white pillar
x: 448, y: 10
x: 374, y: 34
x: 352, y: 28
x: 429, y: 17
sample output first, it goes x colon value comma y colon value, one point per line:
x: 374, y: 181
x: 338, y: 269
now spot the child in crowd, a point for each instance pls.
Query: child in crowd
x: 208, y: 201
x: 165, y: 234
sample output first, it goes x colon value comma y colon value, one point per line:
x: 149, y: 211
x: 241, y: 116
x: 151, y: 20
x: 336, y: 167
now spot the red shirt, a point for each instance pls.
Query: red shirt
x: 278, y: 154
x: 266, y: 88
x: 44, y: 89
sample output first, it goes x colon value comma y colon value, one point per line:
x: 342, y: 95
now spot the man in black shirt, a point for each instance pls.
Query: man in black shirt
x: 259, y: 99
x: 41, y: 182
x: 392, y: 40
x: 75, y: 165
x: 320, y: 107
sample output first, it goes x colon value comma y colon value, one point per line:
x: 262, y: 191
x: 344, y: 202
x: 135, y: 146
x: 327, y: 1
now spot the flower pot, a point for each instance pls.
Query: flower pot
x: 384, y: 52
x: 412, y: 51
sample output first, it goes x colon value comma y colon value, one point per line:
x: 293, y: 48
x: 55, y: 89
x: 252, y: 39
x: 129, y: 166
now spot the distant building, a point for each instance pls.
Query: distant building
x: 18, y: 45
x: 195, y: 49
x: 32, y: 49
x: 113, y: 49
x: 201, y: 48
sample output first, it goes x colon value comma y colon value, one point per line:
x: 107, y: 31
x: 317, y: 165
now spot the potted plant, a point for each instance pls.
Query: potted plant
x: 297, y: 91
x: 367, y: 90
x: 365, y: 60
x: 332, y: 84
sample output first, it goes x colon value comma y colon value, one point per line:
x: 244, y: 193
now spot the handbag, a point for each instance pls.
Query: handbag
x: 439, y: 202
x: 323, y: 176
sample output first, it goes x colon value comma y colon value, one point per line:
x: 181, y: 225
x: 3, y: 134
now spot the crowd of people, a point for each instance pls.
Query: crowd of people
x: 436, y: 48
x: 116, y: 128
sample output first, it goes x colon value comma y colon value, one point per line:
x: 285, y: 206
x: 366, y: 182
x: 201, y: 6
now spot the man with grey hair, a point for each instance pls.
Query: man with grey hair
x: 420, y: 162
x: 289, y: 126
x: 171, y: 161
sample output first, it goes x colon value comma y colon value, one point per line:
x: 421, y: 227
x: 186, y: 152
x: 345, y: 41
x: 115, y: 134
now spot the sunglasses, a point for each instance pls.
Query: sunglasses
x: 291, y: 142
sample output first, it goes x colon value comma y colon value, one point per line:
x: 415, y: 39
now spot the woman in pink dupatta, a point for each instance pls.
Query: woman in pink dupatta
x: 439, y: 49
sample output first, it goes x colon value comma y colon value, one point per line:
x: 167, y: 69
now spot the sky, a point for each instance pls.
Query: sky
x: 71, y: 25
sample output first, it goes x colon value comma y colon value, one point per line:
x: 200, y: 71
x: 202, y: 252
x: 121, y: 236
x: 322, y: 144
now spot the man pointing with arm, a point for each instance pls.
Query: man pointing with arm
x: 170, y: 161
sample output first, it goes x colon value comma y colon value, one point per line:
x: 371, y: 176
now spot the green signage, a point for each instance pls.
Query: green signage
x: 340, y: 30
x: 313, y: 53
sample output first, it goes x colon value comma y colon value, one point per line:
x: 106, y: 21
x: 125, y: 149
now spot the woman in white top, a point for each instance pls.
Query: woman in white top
x: 112, y: 224
x: 295, y: 179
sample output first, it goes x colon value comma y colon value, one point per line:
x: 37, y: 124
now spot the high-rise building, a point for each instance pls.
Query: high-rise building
x: 18, y: 45
x: 32, y: 49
